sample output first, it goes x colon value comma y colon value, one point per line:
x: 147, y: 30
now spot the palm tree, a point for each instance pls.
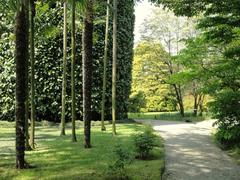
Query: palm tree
x: 32, y: 53
x: 73, y: 64
x: 87, y: 41
x: 21, y: 57
x: 64, y: 82
x: 105, y: 68
x: 114, y: 67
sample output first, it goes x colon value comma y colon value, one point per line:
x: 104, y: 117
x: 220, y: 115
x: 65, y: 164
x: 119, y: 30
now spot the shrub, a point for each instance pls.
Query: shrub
x: 136, y: 102
x: 144, y: 143
x: 226, y: 109
x: 117, y: 170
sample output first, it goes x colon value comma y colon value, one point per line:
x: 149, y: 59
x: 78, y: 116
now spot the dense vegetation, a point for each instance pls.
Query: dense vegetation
x: 48, y: 57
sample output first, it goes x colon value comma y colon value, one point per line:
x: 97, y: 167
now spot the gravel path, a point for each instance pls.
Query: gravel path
x: 191, y: 154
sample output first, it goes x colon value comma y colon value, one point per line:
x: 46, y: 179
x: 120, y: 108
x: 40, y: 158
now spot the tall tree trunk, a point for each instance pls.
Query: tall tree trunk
x: 27, y: 145
x: 21, y: 57
x: 114, y: 67
x: 105, y: 68
x: 87, y: 39
x: 32, y: 53
x: 64, y: 81
x: 73, y: 64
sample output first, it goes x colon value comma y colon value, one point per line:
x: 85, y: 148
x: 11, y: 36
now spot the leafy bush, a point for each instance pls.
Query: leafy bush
x: 136, y: 102
x: 117, y: 170
x: 226, y: 109
x: 144, y: 143
x: 7, y: 78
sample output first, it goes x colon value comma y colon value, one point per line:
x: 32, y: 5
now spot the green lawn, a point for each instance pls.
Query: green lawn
x: 174, y: 116
x: 58, y: 158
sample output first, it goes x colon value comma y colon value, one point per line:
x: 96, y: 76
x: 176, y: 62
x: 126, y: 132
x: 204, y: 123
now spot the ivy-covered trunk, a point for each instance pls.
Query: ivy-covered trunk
x: 73, y: 64
x: 21, y: 57
x: 125, y: 41
x: 87, y: 42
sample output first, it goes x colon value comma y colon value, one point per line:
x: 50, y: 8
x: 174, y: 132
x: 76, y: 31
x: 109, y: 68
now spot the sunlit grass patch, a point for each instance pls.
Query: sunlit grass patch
x: 57, y: 157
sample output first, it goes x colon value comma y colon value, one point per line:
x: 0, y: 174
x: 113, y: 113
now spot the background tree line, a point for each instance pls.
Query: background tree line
x: 208, y: 65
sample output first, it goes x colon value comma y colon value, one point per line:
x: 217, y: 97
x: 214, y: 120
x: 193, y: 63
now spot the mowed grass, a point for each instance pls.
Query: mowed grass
x: 169, y: 116
x: 58, y: 158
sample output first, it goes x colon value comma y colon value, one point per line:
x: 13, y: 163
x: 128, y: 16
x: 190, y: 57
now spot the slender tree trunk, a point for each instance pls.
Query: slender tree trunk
x: 21, y: 57
x: 181, y: 105
x: 179, y: 99
x: 32, y: 54
x: 201, y: 100
x: 176, y: 87
x: 64, y: 81
x: 105, y: 69
x: 87, y: 39
x: 195, y: 105
x: 114, y: 67
x: 27, y: 145
x: 73, y: 64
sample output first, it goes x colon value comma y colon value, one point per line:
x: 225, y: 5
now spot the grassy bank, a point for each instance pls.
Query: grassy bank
x: 235, y: 154
x: 58, y: 158
x: 174, y: 116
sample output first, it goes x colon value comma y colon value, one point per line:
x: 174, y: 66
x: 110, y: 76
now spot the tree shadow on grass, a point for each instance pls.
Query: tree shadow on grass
x: 58, y: 158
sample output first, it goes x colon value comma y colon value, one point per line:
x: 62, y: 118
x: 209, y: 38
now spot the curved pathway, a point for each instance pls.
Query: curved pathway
x: 191, y: 153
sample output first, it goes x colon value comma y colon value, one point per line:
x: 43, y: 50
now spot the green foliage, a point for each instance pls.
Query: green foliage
x: 117, y: 169
x: 226, y: 108
x: 144, y: 143
x: 7, y: 78
x: 150, y: 72
x: 136, y: 102
x: 220, y: 20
